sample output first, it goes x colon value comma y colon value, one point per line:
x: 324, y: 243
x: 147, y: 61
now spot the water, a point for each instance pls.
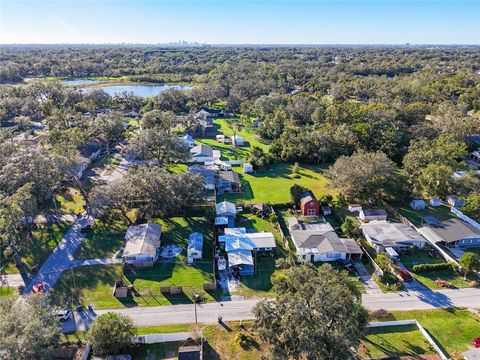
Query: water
x: 141, y: 90
x: 78, y: 82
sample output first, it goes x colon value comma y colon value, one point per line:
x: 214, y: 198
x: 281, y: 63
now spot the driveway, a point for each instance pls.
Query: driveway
x: 371, y: 287
x: 61, y: 257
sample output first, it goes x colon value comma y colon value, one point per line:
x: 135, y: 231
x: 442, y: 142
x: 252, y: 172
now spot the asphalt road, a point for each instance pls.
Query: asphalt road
x: 242, y: 309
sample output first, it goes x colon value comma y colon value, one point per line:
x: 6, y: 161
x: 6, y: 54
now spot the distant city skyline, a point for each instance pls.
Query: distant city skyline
x: 240, y: 22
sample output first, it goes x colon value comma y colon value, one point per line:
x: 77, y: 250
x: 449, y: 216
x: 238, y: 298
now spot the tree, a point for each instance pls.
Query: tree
x: 363, y: 175
x: 315, y: 314
x: 28, y: 329
x: 350, y: 226
x: 436, y: 180
x: 469, y: 262
x: 472, y: 206
x: 158, y: 119
x: 258, y: 158
x: 110, y: 333
x: 383, y: 262
x: 160, y: 145
x: 296, y: 191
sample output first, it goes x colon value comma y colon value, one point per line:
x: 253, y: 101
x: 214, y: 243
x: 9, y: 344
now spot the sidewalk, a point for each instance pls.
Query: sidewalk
x: 371, y: 287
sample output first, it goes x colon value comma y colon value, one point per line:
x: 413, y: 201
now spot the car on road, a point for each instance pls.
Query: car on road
x: 347, y: 265
x: 86, y: 228
x: 38, y: 288
x: 63, y: 315
x: 476, y: 342
x: 405, y: 275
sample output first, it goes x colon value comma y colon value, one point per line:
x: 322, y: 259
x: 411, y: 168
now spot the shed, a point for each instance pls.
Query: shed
x: 142, y: 243
x: 195, y: 246
x: 354, y: 208
x: 247, y: 168
x: 309, y: 205
x: 454, y: 201
x: 237, y: 140
x: 417, y: 204
x: 435, y: 202
x: 326, y: 210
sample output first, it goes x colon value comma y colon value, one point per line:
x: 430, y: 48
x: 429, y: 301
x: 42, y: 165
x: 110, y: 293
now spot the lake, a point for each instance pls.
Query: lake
x: 138, y: 90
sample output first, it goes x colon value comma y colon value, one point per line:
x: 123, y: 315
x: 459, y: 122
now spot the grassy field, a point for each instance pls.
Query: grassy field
x: 416, y: 216
x: 70, y: 202
x: 428, y: 278
x: 452, y: 329
x: 272, y: 186
x: 102, y: 241
x: 394, y: 341
x: 167, y: 350
x: 95, y: 284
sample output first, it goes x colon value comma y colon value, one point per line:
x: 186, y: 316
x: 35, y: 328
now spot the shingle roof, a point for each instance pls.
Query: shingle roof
x: 230, y: 176
x: 142, y: 239
x: 202, y: 150
x: 453, y: 229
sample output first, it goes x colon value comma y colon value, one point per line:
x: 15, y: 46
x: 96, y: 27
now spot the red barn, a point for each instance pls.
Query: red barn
x: 309, y: 205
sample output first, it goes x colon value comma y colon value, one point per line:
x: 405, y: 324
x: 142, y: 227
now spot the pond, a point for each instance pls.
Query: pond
x: 78, y: 82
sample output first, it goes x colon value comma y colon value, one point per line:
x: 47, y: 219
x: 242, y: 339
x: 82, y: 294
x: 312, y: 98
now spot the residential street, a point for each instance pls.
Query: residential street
x: 242, y: 309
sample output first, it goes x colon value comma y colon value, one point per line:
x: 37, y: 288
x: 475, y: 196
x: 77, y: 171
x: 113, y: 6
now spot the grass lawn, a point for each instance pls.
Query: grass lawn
x: 70, y: 202
x: 453, y: 329
x: 416, y: 216
x: 8, y: 292
x: 167, y: 350
x: 102, y: 241
x: 273, y: 185
x: 165, y: 329
x: 95, y: 284
x: 428, y: 278
x: 394, y: 341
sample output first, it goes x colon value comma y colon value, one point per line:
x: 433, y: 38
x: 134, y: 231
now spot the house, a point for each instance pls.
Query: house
x: 309, y: 205
x: 241, y: 262
x: 435, y: 202
x: 220, y: 165
x: 195, y: 246
x: 203, y: 153
x: 372, y: 214
x: 225, y: 208
x: 382, y: 234
x: 93, y: 148
x: 210, y: 112
x: 354, y: 208
x: 454, y: 201
x: 237, y: 140
x: 142, y: 244
x: 80, y: 164
x: 326, y: 210
x: 247, y: 168
x: 188, y: 139
x: 474, y: 156
x: 452, y: 232
x: 417, y: 204
x: 228, y: 182
x: 209, y: 175
x: 191, y: 352
x: 319, y: 242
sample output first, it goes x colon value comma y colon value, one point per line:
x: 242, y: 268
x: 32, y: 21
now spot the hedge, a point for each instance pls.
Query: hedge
x: 432, y: 267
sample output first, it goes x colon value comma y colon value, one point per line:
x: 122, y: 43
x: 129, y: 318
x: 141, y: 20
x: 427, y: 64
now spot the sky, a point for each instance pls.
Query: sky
x: 241, y: 22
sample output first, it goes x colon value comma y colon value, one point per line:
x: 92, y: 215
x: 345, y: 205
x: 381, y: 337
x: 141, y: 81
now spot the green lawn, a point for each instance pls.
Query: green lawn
x: 168, y: 350
x: 428, y: 278
x: 102, y: 241
x: 164, y: 329
x: 452, y: 329
x: 416, y: 216
x: 95, y: 284
x: 70, y: 201
x: 8, y: 292
x: 272, y: 186
x: 394, y: 341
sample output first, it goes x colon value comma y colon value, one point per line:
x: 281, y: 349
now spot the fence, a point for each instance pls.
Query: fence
x: 465, y: 217
x: 377, y: 268
x: 424, y: 332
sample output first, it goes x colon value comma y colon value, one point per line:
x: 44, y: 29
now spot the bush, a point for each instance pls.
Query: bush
x: 432, y: 267
x: 283, y: 263
x: 380, y: 314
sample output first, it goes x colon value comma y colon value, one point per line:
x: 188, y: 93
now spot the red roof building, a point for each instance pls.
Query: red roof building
x: 309, y: 205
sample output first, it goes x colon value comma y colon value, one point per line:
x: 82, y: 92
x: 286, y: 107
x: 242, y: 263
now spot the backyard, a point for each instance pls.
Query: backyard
x: 416, y: 216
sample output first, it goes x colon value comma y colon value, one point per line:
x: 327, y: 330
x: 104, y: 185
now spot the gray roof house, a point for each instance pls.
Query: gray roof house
x: 203, y: 153
x: 372, y: 214
x: 319, y: 242
x: 209, y: 175
x: 142, y: 243
x: 452, y: 232
x: 228, y: 182
x: 382, y: 234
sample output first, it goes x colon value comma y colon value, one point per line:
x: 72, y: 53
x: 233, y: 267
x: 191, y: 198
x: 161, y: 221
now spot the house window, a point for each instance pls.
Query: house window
x: 311, y: 212
x: 333, y: 255
x: 131, y: 258
x: 311, y: 203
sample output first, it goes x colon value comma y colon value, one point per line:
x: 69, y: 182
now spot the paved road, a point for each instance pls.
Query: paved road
x: 61, y: 257
x: 242, y: 309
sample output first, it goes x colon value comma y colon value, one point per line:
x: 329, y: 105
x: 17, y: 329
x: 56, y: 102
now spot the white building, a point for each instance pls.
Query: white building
x: 247, y: 168
x: 195, y: 247
x: 237, y: 140
x: 203, y: 153
x: 142, y: 243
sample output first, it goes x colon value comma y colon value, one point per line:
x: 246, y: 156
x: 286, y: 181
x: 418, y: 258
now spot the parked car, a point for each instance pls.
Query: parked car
x: 476, y: 342
x: 346, y: 264
x: 38, y: 288
x: 86, y: 228
x: 405, y: 275
x: 64, y: 315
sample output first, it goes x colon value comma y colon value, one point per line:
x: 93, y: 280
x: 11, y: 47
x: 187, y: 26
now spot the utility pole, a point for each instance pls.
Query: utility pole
x: 195, y: 305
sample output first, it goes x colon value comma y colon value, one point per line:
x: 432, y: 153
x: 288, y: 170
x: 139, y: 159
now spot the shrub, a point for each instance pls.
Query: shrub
x: 432, y: 267
x: 380, y: 314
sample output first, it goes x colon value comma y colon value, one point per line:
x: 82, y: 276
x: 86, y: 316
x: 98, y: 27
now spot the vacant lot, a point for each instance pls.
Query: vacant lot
x: 70, y: 201
x: 273, y: 185
x: 416, y: 216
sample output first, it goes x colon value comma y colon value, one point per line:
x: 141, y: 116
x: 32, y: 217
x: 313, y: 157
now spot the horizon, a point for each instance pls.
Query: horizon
x: 235, y: 23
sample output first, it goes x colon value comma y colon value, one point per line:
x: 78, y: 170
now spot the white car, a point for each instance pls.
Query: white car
x: 64, y: 315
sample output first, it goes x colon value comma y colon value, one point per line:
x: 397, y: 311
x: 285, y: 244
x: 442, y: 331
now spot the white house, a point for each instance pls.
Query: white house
x: 319, y: 242
x: 372, y: 214
x: 225, y: 208
x: 195, y: 246
x: 203, y: 153
x: 237, y: 140
x: 247, y: 168
x: 142, y: 243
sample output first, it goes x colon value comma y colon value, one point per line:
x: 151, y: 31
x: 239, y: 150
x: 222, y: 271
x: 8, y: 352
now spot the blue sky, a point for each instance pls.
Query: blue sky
x: 241, y: 22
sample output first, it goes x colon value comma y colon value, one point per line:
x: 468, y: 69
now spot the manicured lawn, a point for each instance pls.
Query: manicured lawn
x: 428, y: 278
x: 102, y: 241
x: 416, y: 216
x: 167, y: 350
x: 165, y: 329
x: 70, y: 202
x: 453, y: 329
x: 394, y: 341
x: 272, y: 186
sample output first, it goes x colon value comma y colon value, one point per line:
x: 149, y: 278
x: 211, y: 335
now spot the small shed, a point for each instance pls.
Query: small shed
x: 354, y: 208
x: 247, y: 168
x: 195, y: 246
x: 326, y: 210
x: 237, y: 140
x: 417, y: 204
x: 220, y: 138
x: 454, y: 201
x: 435, y: 202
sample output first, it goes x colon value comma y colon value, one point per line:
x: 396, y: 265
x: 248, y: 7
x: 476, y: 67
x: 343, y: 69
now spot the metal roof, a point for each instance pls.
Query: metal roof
x: 142, y: 239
